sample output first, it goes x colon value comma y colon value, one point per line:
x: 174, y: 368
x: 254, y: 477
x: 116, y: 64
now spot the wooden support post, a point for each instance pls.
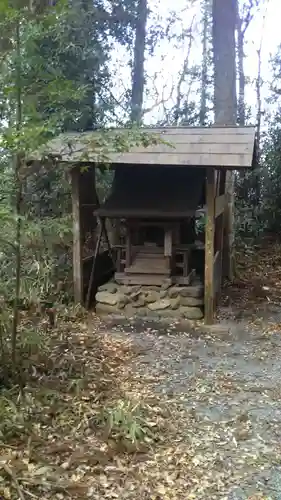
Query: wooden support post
x: 185, y: 263
x: 116, y: 232
x: 92, y: 275
x: 220, y: 204
x: 84, y: 203
x: 77, y: 237
x: 209, y: 246
x: 220, y: 208
x: 168, y: 242
x: 228, y: 258
x: 128, y: 247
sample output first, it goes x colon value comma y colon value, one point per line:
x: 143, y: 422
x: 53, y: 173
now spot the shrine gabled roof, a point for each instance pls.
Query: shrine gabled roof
x: 221, y: 147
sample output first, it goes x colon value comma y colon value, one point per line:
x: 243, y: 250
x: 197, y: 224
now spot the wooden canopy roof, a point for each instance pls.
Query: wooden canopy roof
x: 164, y: 192
x: 228, y: 147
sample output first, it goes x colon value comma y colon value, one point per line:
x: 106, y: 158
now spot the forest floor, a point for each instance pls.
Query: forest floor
x: 154, y: 412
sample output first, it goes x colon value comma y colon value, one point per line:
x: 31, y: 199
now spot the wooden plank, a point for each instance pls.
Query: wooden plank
x: 168, y: 242
x: 237, y: 130
x: 205, y: 135
x: 219, y: 236
x: 142, y: 279
x: 147, y: 214
x: 217, y: 153
x: 82, y: 144
x: 217, y: 272
x: 146, y: 265
x: 63, y: 139
x: 209, y: 246
x: 220, y: 203
x: 185, y: 263
x: 128, y: 248
x: 197, y: 148
x: 219, y: 248
x: 195, y: 139
x: 231, y: 161
x: 77, y: 237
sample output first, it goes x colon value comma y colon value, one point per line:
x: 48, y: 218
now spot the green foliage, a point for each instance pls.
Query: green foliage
x: 271, y: 178
x: 127, y: 421
x: 54, y: 73
x: 38, y: 99
x: 258, y: 201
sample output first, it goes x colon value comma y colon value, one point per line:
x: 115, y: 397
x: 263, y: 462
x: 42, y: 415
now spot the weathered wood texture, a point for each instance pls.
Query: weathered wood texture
x: 220, y: 204
x: 220, y: 147
x: 84, y: 203
x: 210, y: 247
x: 221, y: 208
x: 77, y: 239
x: 217, y: 276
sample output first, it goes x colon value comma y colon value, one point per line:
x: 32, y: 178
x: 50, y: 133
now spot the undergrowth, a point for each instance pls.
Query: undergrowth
x: 69, y: 395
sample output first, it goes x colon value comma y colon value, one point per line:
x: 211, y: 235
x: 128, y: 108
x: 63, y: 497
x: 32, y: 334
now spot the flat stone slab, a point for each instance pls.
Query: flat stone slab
x: 108, y: 287
x: 159, y: 305
x: 111, y: 299
x: 195, y: 291
x: 192, y: 301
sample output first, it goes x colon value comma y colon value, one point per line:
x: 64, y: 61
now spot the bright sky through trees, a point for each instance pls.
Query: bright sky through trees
x: 164, y: 67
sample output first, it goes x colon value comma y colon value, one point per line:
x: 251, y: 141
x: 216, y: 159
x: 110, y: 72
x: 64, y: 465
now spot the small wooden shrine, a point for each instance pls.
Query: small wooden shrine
x: 154, y: 208
x: 155, y: 197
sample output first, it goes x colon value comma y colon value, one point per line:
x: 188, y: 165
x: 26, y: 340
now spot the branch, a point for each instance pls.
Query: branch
x: 161, y: 101
x: 184, y: 70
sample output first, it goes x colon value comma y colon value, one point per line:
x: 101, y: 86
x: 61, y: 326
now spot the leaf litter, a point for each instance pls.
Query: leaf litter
x: 135, y: 411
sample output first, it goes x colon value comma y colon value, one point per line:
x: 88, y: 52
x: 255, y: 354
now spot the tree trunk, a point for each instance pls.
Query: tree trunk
x: 241, y: 73
x: 259, y: 117
x: 259, y: 84
x: 242, y: 192
x: 225, y: 101
x: 204, y: 73
x: 138, y: 78
x: 18, y: 193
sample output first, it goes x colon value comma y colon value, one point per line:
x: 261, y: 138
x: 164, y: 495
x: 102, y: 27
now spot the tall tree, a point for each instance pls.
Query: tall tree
x: 245, y: 14
x: 205, y: 59
x: 138, y: 73
x: 225, y: 101
x: 224, y: 23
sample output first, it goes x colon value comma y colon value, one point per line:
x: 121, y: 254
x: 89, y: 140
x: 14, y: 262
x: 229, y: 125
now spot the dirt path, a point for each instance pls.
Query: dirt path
x: 227, y: 390
x: 148, y: 411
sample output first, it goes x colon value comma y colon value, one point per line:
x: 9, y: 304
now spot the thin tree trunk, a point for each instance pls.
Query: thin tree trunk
x: 138, y: 78
x: 241, y: 72
x: 259, y: 110
x: 18, y: 197
x: 204, y: 73
x: 241, y: 115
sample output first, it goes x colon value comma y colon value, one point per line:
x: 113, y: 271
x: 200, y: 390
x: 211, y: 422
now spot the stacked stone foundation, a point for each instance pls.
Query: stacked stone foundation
x: 128, y: 301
